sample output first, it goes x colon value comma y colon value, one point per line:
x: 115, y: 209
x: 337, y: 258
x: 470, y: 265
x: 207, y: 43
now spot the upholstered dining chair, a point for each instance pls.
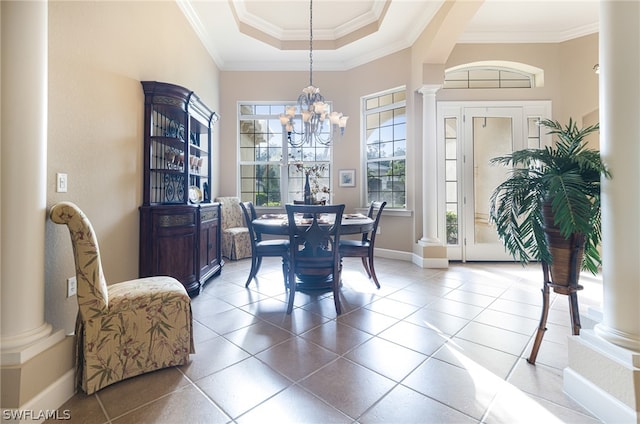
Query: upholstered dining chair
x: 314, y: 237
x: 123, y: 329
x: 236, y: 243
x: 364, y: 248
x: 261, y: 248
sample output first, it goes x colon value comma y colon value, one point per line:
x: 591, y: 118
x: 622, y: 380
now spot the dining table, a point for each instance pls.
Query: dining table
x: 278, y: 225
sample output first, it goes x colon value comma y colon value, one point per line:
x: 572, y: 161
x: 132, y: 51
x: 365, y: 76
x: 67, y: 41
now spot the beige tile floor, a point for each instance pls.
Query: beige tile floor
x: 430, y: 346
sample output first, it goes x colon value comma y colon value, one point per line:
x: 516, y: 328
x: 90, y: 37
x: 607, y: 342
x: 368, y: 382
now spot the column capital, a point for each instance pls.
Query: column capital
x: 429, y: 89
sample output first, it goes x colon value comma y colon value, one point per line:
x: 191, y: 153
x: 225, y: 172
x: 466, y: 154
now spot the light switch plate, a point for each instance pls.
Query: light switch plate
x: 61, y: 183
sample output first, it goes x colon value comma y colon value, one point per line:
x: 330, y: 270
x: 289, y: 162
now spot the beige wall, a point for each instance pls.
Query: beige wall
x: 569, y: 79
x: 98, y: 54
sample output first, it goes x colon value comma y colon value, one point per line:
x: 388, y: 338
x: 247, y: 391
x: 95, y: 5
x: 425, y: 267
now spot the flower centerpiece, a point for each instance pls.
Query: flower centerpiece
x: 314, y: 191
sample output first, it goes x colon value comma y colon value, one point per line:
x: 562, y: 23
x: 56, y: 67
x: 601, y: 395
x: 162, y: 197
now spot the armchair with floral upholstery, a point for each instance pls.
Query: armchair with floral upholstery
x: 123, y: 329
x: 236, y: 242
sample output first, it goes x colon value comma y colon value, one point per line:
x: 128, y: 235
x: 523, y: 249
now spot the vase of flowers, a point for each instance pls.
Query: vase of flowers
x: 314, y: 192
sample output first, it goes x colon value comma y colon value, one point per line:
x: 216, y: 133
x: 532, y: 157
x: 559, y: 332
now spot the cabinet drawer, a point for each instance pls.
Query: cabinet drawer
x: 175, y: 220
x: 208, y: 214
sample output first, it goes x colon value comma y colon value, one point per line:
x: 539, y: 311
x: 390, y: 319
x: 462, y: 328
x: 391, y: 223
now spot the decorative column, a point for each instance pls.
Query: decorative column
x: 433, y: 253
x: 604, y: 364
x: 24, y: 332
x: 429, y: 167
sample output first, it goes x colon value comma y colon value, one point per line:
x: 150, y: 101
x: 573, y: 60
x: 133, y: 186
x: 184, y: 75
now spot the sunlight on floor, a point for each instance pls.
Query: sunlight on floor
x: 508, y: 404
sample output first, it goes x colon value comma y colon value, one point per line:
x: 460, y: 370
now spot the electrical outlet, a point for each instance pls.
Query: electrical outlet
x: 72, y: 286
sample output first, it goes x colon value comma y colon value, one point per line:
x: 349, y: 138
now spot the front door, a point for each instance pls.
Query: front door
x: 488, y: 132
x: 484, y: 133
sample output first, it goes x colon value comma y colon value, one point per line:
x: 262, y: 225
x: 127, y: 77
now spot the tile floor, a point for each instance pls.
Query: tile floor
x: 430, y: 346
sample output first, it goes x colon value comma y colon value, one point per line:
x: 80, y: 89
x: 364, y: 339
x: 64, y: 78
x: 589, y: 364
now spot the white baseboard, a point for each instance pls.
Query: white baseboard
x: 393, y: 254
x: 52, y: 397
x: 600, y: 403
x: 413, y: 258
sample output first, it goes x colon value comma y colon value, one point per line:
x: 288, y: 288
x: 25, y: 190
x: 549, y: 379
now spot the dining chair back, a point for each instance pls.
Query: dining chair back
x: 261, y: 248
x: 314, y: 237
x: 364, y: 248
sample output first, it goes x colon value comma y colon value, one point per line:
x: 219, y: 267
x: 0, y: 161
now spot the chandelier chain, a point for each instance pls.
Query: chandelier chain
x: 319, y: 123
x: 311, y: 42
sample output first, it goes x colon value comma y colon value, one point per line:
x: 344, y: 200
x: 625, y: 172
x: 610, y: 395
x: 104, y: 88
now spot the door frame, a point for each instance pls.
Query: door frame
x: 456, y: 109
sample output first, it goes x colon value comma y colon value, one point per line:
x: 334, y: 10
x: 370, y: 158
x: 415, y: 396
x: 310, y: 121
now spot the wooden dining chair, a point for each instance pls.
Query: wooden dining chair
x: 261, y: 248
x: 364, y: 248
x: 314, y: 242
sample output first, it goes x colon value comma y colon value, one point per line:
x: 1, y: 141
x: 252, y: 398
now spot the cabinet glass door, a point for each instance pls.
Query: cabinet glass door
x: 167, y: 155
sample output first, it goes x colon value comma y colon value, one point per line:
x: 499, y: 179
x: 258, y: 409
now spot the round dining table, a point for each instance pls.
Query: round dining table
x: 277, y: 224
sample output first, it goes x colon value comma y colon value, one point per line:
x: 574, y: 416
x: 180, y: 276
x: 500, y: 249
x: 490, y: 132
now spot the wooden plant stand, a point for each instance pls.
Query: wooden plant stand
x: 571, y: 290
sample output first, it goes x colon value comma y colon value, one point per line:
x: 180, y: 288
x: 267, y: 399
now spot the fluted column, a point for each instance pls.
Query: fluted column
x: 24, y: 164
x: 604, y: 364
x: 429, y: 167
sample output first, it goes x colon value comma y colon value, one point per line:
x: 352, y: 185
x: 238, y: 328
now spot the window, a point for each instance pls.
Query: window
x: 451, y: 178
x: 386, y: 147
x: 486, y: 76
x: 270, y: 173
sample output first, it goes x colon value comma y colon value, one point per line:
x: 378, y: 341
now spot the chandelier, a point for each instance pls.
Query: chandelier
x: 319, y: 124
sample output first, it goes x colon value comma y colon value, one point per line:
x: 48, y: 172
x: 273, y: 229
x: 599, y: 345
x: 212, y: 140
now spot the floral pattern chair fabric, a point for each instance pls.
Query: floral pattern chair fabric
x: 123, y: 329
x: 236, y: 242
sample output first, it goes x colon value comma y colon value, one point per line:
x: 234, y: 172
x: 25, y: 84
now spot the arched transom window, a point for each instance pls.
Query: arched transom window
x: 493, y: 74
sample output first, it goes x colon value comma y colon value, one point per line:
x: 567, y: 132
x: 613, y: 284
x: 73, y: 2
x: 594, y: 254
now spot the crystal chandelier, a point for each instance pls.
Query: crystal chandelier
x: 319, y: 124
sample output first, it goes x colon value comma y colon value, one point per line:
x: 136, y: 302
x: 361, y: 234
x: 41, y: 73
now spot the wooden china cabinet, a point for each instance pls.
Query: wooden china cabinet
x: 179, y: 224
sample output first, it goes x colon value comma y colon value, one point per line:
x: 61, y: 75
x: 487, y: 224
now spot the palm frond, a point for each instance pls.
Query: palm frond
x: 568, y: 175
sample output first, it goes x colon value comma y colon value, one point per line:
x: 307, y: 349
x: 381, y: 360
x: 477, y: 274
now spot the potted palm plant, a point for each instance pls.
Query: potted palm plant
x: 550, y: 202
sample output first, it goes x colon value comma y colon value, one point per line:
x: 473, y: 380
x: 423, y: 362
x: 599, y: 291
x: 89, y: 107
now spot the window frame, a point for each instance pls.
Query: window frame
x: 289, y: 177
x: 389, y: 107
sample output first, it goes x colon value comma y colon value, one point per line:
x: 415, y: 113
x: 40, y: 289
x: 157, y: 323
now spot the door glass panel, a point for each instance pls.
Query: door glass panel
x: 451, y: 179
x: 533, y: 133
x: 492, y: 136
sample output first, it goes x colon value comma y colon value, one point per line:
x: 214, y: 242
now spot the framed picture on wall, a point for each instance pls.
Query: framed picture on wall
x: 347, y: 178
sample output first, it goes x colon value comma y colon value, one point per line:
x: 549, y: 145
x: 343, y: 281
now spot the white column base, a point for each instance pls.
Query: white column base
x: 617, y: 337
x: 430, y: 262
x: 14, y: 354
x: 601, y: 376
x: 428, y: 242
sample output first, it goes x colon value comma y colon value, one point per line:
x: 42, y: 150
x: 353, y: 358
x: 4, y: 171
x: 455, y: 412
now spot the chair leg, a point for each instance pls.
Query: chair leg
x: 285, y: 272
x: 292, y: 289
x: 373, y: 271
x: 336, y: 289
x: 366, y: 266
x: 253, y: 272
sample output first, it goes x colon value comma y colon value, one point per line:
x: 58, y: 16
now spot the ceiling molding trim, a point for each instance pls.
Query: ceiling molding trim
x: 200, y: 30
x: 319, y: 64
x: 502, y: 37
x: 261, y: 29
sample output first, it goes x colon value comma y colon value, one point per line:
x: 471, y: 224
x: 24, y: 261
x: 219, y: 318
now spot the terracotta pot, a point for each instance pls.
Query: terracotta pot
x: 564, y: 265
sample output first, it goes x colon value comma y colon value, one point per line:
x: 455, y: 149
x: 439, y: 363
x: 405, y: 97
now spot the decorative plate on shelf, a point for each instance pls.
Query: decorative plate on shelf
x: 195, y: 194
